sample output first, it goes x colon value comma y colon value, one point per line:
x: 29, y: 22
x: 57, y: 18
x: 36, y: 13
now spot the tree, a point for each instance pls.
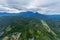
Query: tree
x: 29, y: 30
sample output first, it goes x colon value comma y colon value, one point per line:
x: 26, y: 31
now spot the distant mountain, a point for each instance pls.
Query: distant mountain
x: 17, y: 14
x: 10, y: 18
x: 29, y: 14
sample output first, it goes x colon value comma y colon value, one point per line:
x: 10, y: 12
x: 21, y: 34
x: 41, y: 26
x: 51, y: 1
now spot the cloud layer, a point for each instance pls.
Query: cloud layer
x: 42, y: 6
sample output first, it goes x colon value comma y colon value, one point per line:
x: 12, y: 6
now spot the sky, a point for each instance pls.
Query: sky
x: 42, y: 6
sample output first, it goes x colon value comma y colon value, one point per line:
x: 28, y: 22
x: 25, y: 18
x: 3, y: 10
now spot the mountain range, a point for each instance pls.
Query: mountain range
x: 10, y: 18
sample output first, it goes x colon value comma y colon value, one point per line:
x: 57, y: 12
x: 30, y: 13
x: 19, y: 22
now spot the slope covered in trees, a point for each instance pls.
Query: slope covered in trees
x: 28, y: 26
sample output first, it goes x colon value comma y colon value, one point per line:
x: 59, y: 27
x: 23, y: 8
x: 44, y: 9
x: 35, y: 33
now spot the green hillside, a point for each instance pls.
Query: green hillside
x: 23, y: 28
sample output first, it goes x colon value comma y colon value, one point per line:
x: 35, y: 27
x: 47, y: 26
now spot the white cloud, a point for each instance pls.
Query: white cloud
x: 6, y: 9
x: 43, y: 6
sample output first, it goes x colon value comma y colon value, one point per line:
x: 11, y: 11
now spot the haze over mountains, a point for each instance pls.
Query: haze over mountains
x: 7, y: 18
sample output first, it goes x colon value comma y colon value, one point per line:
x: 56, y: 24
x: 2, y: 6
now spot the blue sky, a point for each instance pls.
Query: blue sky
x: 42, y: 6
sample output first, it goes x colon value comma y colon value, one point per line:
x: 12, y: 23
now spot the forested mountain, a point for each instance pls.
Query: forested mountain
x: 30, y: 25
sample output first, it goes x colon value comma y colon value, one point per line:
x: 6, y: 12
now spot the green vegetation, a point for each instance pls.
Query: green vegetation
x: 27, y: 30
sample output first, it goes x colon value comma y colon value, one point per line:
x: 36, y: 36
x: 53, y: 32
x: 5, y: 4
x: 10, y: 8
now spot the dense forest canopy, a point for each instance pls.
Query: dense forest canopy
x: 28, y: 26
